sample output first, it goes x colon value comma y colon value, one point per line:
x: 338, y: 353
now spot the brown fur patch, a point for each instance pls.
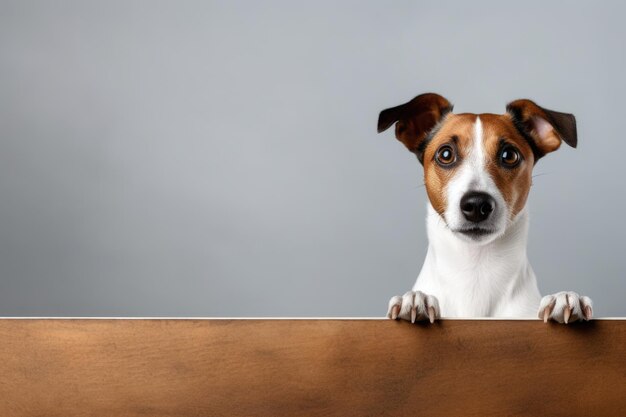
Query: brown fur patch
x: 514, y: 184
x: 436, y: 178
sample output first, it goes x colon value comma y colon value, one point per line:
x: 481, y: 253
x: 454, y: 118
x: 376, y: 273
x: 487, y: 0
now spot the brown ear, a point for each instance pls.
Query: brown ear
x: 415, y: 120
x: 544, y: 128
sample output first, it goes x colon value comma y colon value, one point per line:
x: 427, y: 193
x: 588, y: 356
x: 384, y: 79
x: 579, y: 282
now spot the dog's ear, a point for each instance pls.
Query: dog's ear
x: 415, y: 119
x: 544, y: 128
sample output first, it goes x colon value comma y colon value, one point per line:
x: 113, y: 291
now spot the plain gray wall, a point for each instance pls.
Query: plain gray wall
x: 221, y: 158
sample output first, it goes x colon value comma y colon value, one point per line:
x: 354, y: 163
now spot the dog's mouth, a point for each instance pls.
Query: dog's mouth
x: 475, y: 232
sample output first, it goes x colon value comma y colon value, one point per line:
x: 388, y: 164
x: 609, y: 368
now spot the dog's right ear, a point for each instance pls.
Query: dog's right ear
x: 414, y: 120
x: 544, y: 128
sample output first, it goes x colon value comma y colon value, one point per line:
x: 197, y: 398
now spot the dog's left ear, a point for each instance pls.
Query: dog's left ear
x: 415, y: 119
x: 546, y: 128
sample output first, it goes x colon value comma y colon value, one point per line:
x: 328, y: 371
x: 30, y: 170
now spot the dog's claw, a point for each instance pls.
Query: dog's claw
x: 548, y: 303
x: 588, y: 312
x: 413, y: 314
x: 431, y: 314
x: 567, y: 312
x: 395, y: 310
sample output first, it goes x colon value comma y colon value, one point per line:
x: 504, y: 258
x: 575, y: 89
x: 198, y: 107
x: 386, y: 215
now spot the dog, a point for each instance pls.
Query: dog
x: 477, y: 174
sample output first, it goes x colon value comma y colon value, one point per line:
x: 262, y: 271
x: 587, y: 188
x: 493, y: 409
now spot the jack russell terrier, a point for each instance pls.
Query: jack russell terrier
x: 477, y: 173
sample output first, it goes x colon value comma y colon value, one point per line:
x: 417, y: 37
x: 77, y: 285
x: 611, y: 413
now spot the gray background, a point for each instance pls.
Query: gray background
x: 221, y: 158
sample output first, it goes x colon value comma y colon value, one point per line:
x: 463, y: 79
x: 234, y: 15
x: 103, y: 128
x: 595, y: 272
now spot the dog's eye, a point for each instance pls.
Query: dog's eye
x: 445, y: 155
x: 510, y: 157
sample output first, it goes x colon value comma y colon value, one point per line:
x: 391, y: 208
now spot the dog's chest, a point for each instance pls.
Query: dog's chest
x: 476, y: 281
x: 469, y: 290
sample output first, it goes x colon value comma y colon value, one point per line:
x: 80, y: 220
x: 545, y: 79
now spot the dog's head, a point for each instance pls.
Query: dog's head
x: 478, y: 167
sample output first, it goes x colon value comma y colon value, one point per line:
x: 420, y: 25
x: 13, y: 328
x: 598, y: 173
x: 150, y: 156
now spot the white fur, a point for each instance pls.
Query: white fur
x: 489, y: 277
x: 476, y: 280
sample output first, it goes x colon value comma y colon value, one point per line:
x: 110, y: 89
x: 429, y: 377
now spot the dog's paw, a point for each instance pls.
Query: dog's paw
x: 412, y: 306
x: 565, y: 307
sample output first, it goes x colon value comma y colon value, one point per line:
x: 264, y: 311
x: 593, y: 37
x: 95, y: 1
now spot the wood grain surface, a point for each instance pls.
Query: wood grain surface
x: 311, y: 368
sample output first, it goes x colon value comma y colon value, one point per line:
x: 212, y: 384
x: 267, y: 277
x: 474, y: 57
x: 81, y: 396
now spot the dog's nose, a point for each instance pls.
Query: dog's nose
x: 477, y: 206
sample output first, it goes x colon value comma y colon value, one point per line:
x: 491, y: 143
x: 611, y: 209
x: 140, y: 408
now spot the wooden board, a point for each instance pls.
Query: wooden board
x: 311, y: 368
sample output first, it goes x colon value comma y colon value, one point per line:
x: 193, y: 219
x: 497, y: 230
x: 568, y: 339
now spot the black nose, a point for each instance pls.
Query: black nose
x: 477, y: 206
